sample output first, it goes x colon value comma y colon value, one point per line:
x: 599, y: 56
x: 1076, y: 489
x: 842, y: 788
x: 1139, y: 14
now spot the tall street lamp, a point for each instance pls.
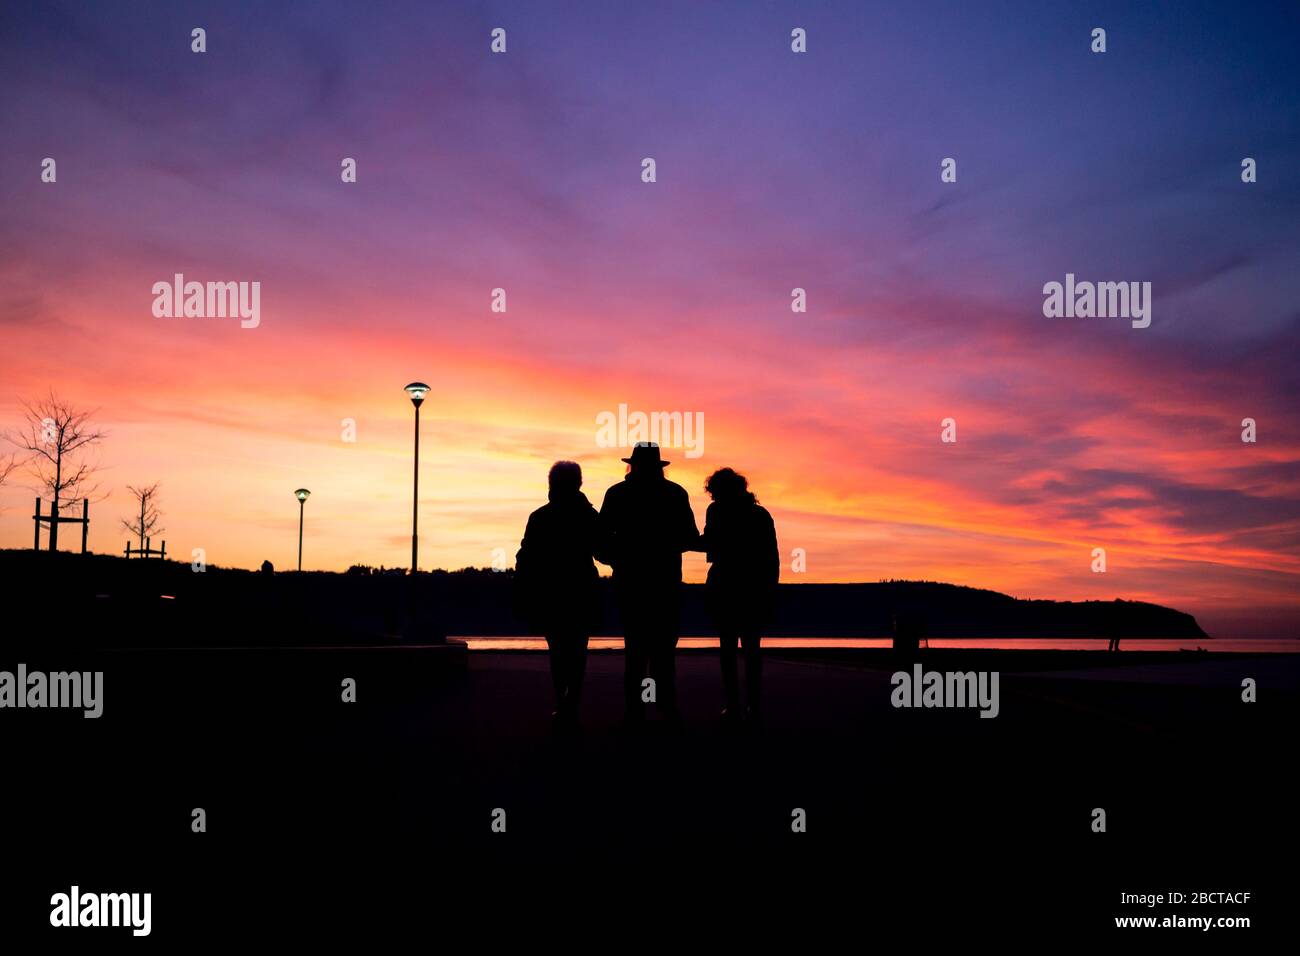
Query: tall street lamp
x: 301, y: 494
x: 417, y: 391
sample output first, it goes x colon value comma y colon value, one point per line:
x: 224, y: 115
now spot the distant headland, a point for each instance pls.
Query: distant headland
x: 169, y: 602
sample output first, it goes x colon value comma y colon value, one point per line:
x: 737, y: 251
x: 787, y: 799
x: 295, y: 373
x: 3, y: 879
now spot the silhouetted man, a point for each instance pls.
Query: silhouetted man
x: 646, y: 524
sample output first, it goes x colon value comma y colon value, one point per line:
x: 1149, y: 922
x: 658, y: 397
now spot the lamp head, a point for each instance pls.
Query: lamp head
x: 417, y: 391
x: 301, y: 494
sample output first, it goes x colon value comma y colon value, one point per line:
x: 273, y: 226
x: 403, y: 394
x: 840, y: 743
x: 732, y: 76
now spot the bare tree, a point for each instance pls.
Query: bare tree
x: 148, y: 524
x: 58, y: 436
x: 7, y: 465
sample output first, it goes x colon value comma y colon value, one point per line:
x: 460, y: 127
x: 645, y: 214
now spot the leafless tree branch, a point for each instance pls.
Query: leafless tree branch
x: 148, y: 522
x: 57, y: 435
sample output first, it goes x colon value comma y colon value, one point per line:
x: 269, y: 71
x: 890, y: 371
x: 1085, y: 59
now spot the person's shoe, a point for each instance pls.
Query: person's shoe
x: 753, y: 717
x: 730, y: 714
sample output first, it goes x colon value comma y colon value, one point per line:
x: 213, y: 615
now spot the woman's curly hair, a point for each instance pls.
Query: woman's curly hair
x: 727, y: 484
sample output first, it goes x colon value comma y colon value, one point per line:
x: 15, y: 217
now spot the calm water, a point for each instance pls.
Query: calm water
x: 1291, y: 646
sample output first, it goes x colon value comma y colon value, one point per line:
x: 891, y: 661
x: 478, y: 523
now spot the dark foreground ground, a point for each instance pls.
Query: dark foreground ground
x: 331, y: 819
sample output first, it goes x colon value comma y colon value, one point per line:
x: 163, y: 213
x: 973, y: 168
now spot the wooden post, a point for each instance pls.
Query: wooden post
x: 85, y: 522
x: 36, y: 531
x: 162, y: 555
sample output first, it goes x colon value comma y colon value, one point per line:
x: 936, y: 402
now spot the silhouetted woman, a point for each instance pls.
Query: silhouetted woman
x: 559, y: 584
x: 740, y: 542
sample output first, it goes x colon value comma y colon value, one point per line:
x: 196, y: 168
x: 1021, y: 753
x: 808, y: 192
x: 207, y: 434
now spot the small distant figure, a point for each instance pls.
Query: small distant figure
x: 268, y: 568
x: 909, y: 631
x: 559, y: 584
x: 739, y: 541
x: 646, y: 524
x: 1114, y: 643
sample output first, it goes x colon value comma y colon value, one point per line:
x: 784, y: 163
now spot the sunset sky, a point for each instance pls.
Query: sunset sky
x: 775, y: 170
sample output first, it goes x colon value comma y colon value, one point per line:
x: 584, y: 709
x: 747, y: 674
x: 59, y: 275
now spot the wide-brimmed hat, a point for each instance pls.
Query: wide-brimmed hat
x: 646, y: 453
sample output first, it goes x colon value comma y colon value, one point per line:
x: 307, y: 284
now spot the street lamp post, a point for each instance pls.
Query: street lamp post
x: 301, y: 494
x: 427, y: 631
x: 417, y: 391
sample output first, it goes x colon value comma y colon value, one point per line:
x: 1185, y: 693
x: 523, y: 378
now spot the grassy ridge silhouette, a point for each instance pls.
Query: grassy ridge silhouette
x: 100, y: 598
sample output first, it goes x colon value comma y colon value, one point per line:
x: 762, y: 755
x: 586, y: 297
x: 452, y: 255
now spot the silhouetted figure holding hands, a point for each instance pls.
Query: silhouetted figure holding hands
x: 744, y: 564
x: 646, y: 524
x: 559, y: 584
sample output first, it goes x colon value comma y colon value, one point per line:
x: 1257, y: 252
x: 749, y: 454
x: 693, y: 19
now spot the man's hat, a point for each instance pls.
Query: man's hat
x: 646, y: 453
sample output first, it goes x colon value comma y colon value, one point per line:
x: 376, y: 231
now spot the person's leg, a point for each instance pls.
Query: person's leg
x: 663, y: 668
x: 753, y: 671
x: 577, y: 668
x: 663, y: 662
x: 563, y: 654
x: 555, y: 652
x: 635, y: 655
x: 573, y: 650
x: 730, y: 680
